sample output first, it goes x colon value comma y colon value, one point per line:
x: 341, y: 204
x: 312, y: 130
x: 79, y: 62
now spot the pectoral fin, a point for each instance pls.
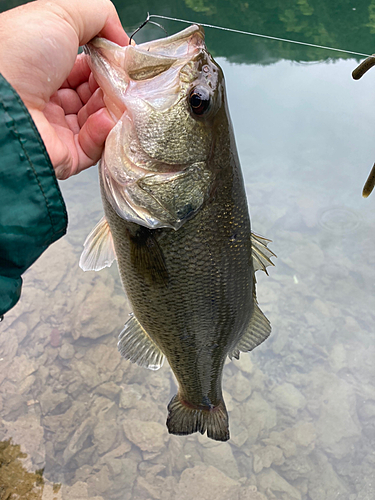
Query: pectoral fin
x: 147, y: 258
x: 98, y: 251
x: 136, y: 345
x: 257, y: 332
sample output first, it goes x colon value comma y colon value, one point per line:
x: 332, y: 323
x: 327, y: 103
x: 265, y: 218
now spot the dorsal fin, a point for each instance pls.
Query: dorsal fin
x: 98, y: 250
x: 261, y: 254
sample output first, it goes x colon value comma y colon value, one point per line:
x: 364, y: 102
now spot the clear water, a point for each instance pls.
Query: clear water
x: 302, y: 405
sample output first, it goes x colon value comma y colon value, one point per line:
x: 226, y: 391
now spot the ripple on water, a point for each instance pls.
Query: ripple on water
x: 339, y: 220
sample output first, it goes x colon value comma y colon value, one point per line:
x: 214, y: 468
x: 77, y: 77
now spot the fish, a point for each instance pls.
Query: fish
x: 177, y: 221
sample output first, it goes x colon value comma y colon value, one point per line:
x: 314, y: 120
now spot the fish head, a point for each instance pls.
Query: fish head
x: 167, y: 96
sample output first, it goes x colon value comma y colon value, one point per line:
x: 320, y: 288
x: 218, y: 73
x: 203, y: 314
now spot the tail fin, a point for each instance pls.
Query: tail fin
x: 185, y: 419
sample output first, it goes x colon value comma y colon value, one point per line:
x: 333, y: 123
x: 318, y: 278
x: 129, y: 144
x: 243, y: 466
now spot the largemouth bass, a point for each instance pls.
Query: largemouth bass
x: 176, y: 219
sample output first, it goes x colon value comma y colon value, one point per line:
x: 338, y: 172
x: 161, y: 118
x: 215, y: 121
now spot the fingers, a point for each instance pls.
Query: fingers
x: 70, y: 148
x: 69, y: 100
x: 81, y: 79
x: 91, y: 138
x: 93, y: 105
x: 79, y: 131
x: 80, y: 73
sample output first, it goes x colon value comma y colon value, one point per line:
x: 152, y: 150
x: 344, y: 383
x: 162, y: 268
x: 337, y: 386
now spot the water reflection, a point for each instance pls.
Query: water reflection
x: 342, y: 24
x: 302, y: 405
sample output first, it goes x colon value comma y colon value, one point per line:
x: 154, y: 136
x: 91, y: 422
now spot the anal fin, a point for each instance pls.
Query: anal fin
x: 257, y: 332
x: 137, y: 346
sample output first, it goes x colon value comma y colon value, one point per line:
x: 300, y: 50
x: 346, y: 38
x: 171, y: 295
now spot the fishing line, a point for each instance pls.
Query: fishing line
x: 261, y: 36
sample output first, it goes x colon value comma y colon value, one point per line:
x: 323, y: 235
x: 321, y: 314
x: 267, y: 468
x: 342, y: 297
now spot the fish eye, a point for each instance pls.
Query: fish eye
x: 199, y: 100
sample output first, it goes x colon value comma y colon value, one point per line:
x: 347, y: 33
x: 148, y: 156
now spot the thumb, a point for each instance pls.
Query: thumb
x: 89, y: 18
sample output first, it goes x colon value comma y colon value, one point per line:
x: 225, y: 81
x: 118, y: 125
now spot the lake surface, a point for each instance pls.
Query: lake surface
x: 78, y: 422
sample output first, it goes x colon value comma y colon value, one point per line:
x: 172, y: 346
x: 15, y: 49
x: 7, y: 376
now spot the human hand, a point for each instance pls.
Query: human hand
x: 38, y: 57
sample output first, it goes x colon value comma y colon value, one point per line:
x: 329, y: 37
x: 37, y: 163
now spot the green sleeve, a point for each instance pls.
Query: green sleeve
x: 32, y: 210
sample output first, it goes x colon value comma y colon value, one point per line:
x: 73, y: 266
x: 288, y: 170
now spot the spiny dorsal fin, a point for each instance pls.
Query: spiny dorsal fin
x: 135, y: 344
x: 261, y: 254
x: 257, y: 332
x: 98, y: 250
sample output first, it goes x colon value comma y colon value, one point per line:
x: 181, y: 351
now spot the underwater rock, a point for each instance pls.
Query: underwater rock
x: 160, y: 386
x: 130, y: 395
x: 337, y: 425
x: 337, y: 358
x: 302, y: 435
x: 244, y: 363
x: 221, y: 457
x: 29, y: 433
x: 88, y: 373
x: 147, y: 409
x: 22, y: 367
x: 324, y: 483
x: 239, y: 433
x: 148, y: 436
x: 265, y: 456
x: 304, y: 255
x: 271, y: 480
x: 206, y: 483
x: 61, y: 252
x: 118, y: 452
x: 26, y: 384
x: 257, y: 416
x: 77, y: 440
x: 239, y: 387
x: 8, y: 348
x: 66, y: 351
x: 99, y: 483
x: 50, y: 400
x: 77, y: 491
x: 289, y: 399
x: 228, y: 402
x: 99, y: 315
x: 106, y: 360
x: 109, y: 389
x: 123, y: 473
x: 103, y: 409
x: 104, y: 436
x: 361, y: 364
x: 251, y: 493
x: 155, y: 487
x: 53, y: 492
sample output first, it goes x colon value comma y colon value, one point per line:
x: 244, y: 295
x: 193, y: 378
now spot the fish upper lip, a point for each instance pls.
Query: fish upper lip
x: 169, y: 45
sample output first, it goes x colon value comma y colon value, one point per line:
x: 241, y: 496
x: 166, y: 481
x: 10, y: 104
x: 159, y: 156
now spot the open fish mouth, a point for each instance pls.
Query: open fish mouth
x: 143, y: 61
